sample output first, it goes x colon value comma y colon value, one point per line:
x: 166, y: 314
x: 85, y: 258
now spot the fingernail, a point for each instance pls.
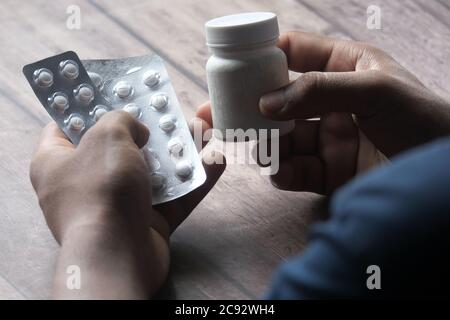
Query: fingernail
x: 272, y: 102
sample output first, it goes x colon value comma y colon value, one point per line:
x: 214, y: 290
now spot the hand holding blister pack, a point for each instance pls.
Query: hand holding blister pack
x: 76, y: 99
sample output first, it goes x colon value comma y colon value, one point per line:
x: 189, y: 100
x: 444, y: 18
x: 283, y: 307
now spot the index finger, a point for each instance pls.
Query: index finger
x: 312, y: 52
x: 52, y: 136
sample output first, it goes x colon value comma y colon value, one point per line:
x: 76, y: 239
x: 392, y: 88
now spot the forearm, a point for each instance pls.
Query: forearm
x: 112, y: 264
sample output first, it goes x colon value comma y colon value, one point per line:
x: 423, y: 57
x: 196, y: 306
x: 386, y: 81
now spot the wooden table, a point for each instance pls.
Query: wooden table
x: 244, y: 228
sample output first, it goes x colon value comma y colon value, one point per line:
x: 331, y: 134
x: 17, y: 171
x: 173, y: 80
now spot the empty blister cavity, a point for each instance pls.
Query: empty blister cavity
x: 43, y: 77
x: 123, y: 89
x: 159, y: 101
x: 99, y: 111
x: 69, y: 69
x: 151, y: 159
x: 158, y: 181
x: 75, y: 123
x: 96, y: 79
x: 151, y: 78
x: 84, y: 93
x: 175, y: 146
x: 133, y: 70
x: 184, y: 169
x: 133, y: 109
x: 59, y: 101
x: 167, y: 123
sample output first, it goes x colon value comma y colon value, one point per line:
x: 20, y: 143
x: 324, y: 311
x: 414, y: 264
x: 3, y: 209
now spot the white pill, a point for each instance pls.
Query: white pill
x: 76, y: 123
x: 96, y: 79
x: 99, y: 112
x: 183, y: 169
x: 84, y: 93
x: 158, y: 181
x: 167, y: 122
x: 123, y: 89
x: 59, y: 102
x: 43, y: 77
x: 151, y: 78
x: 69, y: 69
x: 159, y: 101
x: 133, y: 109
x: 175, y: 146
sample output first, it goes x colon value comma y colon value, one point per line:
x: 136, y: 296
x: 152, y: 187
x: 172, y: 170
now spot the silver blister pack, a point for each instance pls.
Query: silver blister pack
x: 139, y: 86
x: 66, y: 91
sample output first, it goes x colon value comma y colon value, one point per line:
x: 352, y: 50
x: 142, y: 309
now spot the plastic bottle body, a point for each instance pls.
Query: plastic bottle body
x: 237, y: 78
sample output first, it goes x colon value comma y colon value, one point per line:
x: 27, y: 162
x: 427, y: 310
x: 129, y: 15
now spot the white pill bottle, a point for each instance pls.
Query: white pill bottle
x: 245, y: 64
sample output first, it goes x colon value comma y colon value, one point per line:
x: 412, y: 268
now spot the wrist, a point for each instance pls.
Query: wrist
x: 101, y: 219
x: 113, y: 262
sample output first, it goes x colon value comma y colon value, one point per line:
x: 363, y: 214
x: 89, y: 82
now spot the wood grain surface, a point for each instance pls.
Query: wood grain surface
x: 233, y: 241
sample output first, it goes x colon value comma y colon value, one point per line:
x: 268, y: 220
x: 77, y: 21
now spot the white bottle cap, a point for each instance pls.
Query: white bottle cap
x: 242, y: 29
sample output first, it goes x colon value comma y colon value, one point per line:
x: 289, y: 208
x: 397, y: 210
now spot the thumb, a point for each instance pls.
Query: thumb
x: 316, y: 93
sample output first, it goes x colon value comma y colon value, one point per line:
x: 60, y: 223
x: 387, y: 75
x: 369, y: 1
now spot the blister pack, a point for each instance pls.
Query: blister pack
x: 68, y: 94
x: 76, y: 94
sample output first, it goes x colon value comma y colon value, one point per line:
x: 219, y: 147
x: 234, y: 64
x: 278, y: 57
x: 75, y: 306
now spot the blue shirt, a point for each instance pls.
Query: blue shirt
x: 396, y: 217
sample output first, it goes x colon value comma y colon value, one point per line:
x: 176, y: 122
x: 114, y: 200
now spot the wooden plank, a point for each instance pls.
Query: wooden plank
x: 28, y: 250
x: 32, y: 22
x: 440, y: 10
x: 8, y: 292
x: 32, y: 269
x: 180, y: 25
x: 413, y: 36
x: 227, y: 249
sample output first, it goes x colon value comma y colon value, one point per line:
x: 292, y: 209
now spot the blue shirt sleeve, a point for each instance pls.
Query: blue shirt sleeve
x: 396, y: 217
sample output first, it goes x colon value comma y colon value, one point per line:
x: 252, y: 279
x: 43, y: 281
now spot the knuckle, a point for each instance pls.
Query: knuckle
x: 113, y: 128
x: 309, y: 83
x: 311, y: 80
x: 117, y: 118
x: 302, y: 91
x: 368, y: 48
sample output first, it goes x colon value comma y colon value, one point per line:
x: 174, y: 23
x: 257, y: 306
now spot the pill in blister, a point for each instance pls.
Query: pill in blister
x: 75, y: 123
x: 151, y: 159
x: 84, y: 93
x: 59, y: 101
x: 123, y: 89
x: 43, y: 77
x: 96, y: 79
x: 167, y: 122
x: 183, y: 168
x: 151, y: 78
x: 69, y: 69
x: 99, y: 111
x: 158, y: 181
x: 175, y: 146
x: 159, y: 101
x: 133, y: 109
x: 77, y: 99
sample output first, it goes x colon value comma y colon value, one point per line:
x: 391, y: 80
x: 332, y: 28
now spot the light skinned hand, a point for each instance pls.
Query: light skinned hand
x: 103, y: 187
